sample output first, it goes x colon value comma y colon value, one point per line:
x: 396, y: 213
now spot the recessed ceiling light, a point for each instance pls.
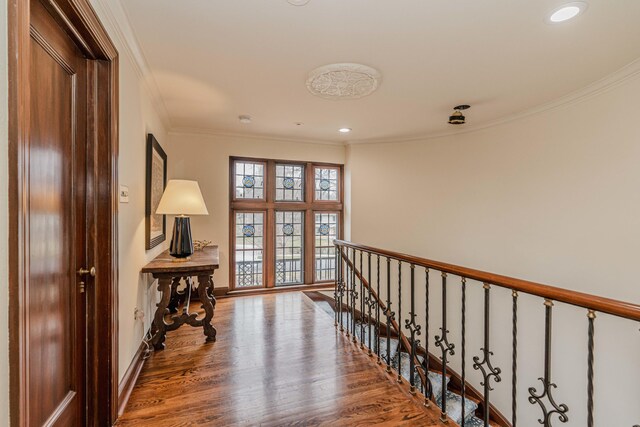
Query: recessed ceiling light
x: 566, y: 12
x: 344, y: 130
x: 244, y: 119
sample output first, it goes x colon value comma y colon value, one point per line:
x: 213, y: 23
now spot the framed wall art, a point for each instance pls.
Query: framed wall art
x: 156, y: 225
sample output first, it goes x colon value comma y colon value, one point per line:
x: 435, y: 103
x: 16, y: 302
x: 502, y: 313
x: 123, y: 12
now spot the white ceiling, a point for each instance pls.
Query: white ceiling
x: 213, y: 60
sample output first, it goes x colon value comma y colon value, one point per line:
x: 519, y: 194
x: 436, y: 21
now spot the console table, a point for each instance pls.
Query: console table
x: 170, y: 273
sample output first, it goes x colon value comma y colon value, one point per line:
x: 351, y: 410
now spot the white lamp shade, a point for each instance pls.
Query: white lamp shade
x: 182, y: 197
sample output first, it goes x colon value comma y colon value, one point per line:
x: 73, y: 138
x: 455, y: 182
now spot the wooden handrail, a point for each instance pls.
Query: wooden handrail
x: 591, y: 302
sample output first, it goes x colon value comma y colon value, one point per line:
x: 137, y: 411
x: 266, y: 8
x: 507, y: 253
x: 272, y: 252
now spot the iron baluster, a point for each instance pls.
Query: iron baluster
x: 335, y: 287
x: 354, y: 297
x: 390, y: 314
x: 591, y: 315
x: 414, y: 329
x: 463, y: 347
x: 400, y: 320
x: 428, y: 392
x: 514, y: 359
x: 484, y: 365
x: 362, y: 298
x: 378, y: 310
x: 370, y: 304
x: 340, y: 289
x: 548, y: 386
x: 347, y: 292
x: 447, y: 349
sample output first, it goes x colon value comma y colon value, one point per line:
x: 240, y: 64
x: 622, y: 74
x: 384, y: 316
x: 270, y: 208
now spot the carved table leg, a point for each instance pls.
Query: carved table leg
x: 174, y: 301
x: 160, y: 327
x: 204, y: 283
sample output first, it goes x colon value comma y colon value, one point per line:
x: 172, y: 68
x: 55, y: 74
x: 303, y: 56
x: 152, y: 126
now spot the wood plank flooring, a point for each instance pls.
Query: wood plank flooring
x: 278, y: 361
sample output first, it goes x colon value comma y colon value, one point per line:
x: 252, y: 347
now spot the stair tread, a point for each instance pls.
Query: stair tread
x: 454, y: 406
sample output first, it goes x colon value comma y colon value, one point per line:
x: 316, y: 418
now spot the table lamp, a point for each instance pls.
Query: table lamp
x: 182, y: 198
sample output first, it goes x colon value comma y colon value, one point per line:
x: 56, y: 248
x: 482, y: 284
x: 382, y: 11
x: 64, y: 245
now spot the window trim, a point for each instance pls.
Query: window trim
x: 309, y: 205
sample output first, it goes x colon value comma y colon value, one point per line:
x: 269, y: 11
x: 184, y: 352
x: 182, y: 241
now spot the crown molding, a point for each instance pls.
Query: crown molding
x: 252, y: 136
x: 118, y: 21
x: 609, y: 82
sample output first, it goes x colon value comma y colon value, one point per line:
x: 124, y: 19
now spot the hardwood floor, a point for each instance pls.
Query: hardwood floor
x: 278, y: 361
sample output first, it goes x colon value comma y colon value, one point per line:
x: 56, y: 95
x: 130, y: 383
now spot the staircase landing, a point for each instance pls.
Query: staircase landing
x: 278, y: 361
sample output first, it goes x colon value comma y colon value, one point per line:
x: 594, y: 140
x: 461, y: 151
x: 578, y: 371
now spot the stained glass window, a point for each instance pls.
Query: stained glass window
x: 326, y: 231
x: 326, y: 185
x: 249, y: 180
x: 249, y: 247
x: 289, y: 183
x: 289, y: 248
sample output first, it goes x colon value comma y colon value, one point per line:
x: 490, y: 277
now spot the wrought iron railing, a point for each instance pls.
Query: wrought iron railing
x: 369, y: 293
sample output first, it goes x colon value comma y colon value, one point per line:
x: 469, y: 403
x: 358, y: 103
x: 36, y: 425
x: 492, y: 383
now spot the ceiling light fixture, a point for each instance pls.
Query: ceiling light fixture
x: 344, y: 130
x: 244, y: 119
x: 566, y: 12
x: 457, y: 118
x: 298, y: 2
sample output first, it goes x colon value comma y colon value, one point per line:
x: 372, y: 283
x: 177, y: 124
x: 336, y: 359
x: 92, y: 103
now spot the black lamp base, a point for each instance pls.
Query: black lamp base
x: 181, y: 242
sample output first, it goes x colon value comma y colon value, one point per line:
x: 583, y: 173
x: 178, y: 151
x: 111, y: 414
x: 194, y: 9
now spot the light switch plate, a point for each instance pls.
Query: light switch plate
x: 124, y: 194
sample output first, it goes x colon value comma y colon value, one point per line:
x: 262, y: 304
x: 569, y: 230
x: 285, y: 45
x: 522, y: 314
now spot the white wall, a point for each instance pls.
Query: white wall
x: 137, y: 118
x: 553, y: 198
x: 205, y: 158
x: 4, y: 179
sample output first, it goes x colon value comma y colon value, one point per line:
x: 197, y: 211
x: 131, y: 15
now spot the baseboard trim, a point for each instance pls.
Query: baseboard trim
x: 220, y: 292
x: 130, y: 378
x: 291, y: 288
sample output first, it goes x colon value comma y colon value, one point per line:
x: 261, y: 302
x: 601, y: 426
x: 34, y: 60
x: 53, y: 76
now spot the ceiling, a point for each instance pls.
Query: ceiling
x: 213, y: 60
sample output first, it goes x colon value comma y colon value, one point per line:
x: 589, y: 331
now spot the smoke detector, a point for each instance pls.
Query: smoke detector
x: 244, y: 119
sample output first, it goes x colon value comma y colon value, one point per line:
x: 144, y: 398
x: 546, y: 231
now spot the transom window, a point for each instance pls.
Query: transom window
x: 285, y: 217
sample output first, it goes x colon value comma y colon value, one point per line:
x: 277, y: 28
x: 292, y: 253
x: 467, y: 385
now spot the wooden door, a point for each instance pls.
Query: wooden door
x: 57, y: 225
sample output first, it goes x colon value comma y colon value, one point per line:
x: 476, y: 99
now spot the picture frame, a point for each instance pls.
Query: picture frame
x: 156, y: 182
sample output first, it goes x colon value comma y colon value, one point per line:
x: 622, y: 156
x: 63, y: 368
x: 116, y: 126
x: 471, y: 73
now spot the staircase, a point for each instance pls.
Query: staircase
x: 383, y: 300
x: 399, y: 361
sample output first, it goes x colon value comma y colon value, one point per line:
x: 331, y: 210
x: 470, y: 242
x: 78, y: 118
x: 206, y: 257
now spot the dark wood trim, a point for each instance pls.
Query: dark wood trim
x: 269, y: 205
x: 290, y: 288
x: 153, y: 145
x: 131, y: 377
x: 220, y: 292
x: 81, y: 22
x: 591, y: 302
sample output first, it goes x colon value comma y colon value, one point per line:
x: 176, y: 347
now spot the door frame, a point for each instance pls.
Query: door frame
x: 80, y: 21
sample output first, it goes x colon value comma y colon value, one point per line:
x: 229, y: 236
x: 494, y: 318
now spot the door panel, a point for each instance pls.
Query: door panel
x: 56, y: 218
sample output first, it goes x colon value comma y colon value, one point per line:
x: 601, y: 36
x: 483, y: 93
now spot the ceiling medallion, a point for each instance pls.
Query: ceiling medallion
x: 343, y: 81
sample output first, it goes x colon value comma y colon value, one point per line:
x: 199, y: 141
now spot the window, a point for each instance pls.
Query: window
x: 289, y: 248
x: 285, y: 216
x: 289, y: 183
x: 249, y: 249
x: 326, y: 231
x: 249, y: 180
x: 326, y: 180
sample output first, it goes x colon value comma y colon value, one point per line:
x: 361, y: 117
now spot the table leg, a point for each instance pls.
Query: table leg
x: 160, y: 327
x: 204, y: 283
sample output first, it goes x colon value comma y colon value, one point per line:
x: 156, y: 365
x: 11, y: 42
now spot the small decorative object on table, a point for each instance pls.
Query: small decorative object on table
x: 199, y: 245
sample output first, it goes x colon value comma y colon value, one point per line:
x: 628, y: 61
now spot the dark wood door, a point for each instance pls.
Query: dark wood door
x: 57, y: 225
